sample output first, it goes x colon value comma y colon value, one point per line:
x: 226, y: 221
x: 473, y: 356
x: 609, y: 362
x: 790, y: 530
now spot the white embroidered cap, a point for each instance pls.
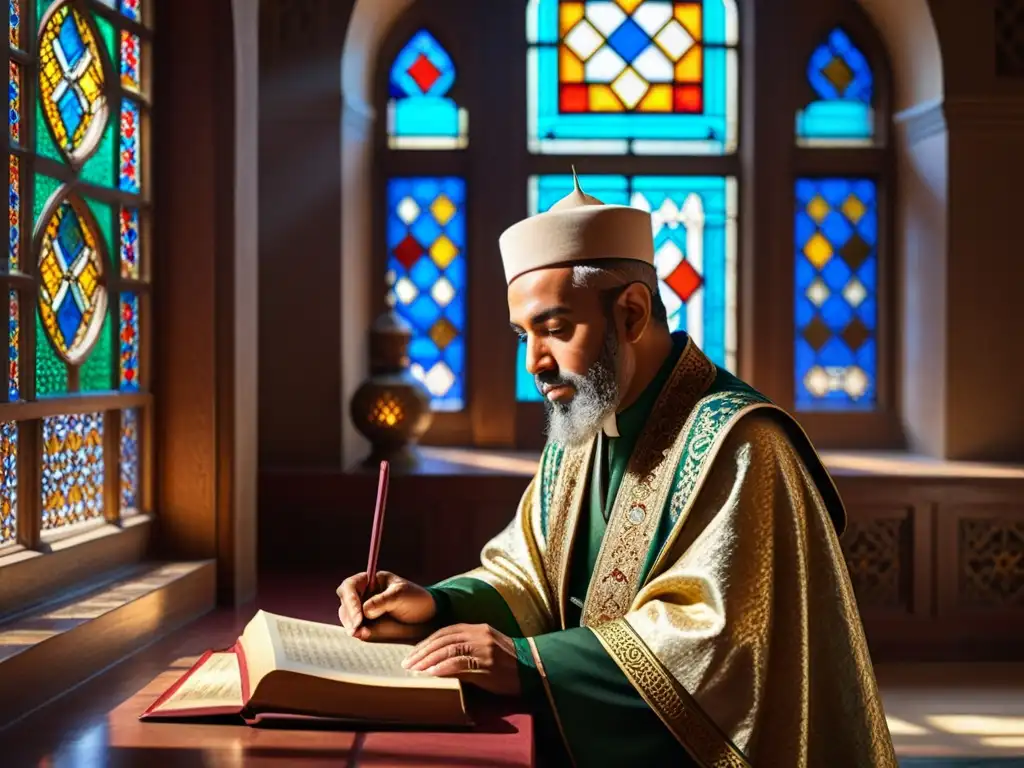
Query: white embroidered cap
x: 577, y: 228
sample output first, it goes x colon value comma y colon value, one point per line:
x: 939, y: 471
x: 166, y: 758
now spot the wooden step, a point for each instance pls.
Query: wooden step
x: 54, y: 647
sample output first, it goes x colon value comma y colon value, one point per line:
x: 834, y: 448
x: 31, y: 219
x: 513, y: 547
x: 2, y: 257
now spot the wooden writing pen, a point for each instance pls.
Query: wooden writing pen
x: 375, y: 533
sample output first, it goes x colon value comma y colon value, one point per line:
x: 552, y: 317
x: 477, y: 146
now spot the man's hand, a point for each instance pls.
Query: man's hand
x: 474, y: 653
x: 399, y: 610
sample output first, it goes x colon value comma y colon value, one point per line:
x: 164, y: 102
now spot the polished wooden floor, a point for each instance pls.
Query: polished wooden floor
x: 935, y: 711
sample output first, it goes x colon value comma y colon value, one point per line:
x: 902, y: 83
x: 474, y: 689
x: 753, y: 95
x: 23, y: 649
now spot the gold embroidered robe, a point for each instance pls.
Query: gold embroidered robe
x: 719, y: 627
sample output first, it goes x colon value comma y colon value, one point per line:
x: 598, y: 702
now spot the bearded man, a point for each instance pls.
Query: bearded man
x: 671, y: 590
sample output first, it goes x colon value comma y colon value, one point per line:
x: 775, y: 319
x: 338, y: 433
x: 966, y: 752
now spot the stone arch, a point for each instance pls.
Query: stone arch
x: 912, y: 41
x: 909, y: 33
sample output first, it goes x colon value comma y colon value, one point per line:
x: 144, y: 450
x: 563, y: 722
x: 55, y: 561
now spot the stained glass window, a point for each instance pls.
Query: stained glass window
x: 72, y: 470
x: 639, y: 76
x: 14, y: 103
x: 842, y: 81
x: 79, y: 73
x: 836, y: 283
x: 129, y: 462
x: 14, y: 214
x: 132, y: 9
x: 8, y: 482
x: 420, y: 113
x: 694, y: 229
x: 14, y: 23
x: 129, y: 342
x: 13, y: 347
x: 129, y: 173
x: 72, y: 298
x: 426, y: 278
x: 71, y: 81
x: 129, y: 221
x: 130, y: 60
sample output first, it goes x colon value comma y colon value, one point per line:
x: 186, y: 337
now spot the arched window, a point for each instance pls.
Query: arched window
x: 425, y: 227
x: 76, y: 408
x: 622, y: 85
x: 842, y: 189
x: 644, y: 98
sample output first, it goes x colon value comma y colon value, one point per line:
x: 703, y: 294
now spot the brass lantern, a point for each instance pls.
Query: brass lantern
x: 391, y: 408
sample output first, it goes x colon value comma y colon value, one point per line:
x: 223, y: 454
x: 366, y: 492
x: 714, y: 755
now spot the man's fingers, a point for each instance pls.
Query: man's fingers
x: 351, y: 611
x: 437, y: 642
x: 355, y: 583
x: 455, y: 666
x: 381, y: 603
x: 458, y: 647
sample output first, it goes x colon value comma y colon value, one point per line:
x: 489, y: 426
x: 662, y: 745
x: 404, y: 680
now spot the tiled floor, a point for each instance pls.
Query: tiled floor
x: 955, y: 714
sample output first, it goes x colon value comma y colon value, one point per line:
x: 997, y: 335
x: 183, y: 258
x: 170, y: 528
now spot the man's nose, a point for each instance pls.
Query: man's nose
x: 538, y: 357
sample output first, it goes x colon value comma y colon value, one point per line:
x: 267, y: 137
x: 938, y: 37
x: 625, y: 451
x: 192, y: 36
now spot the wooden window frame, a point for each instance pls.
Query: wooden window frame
x: 497, y: 166
x: 39, y: 563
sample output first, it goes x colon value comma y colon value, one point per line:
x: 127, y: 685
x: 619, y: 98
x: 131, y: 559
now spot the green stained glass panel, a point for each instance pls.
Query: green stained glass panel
x: 43, y: 190
x: 98, y: 369
x: 101, y: 168
x: 51, y: 373
x: 109, y: 36
x: 44, y: 142
x: 105, y: 220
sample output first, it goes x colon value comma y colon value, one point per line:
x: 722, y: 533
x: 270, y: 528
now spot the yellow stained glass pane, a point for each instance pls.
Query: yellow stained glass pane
x: 817, y: 208
x: 90, y: 87
x: 51, y: 273
x: 443, y: 209
x: 629, y: 5
x: 443, y: 251
x: 818, y: 250
x: 689, y: 16
x: 89, y: 279
x: 853, y: 208
x: 602, y: 98
x: 570, y: 68
x: 689, y: 69
x: 658, y: 99
x: 569, y: 15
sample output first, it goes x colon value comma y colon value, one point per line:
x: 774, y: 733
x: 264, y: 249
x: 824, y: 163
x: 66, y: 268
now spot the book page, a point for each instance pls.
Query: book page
x: 217, y: 683
x: 329, y: 651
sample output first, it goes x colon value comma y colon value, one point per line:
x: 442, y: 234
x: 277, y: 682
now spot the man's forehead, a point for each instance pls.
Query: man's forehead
x: 541, y: 291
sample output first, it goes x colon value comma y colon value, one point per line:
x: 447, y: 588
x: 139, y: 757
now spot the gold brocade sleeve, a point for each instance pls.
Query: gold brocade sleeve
x: 749, y: 643
x: 511, y: 563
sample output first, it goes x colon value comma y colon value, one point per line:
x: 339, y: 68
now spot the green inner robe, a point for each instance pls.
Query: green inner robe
x: 603, y: 717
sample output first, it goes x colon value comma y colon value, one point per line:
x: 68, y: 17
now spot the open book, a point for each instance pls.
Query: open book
x: 289, y: 667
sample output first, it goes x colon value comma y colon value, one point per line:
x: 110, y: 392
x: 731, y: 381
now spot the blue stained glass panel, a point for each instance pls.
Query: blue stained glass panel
x: 426, y: 237
x: 843, y: 83
x: 130, y: 461
x: 420, y: 113
x: 694, y: 229
x: 648, y: 77
x: 8, y: 482
x: 836, y: 311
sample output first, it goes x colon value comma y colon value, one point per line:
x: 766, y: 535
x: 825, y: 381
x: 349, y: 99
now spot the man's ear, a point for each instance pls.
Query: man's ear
x: 635, y: 305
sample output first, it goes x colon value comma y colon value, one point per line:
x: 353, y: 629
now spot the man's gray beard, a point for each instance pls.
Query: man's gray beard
x: 596, y: 397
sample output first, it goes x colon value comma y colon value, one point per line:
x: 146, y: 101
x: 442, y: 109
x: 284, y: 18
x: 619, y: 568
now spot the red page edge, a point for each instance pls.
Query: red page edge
x: 151, y: 714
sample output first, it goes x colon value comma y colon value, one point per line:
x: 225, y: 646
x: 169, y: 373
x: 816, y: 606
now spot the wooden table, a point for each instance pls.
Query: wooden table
x: 97, y: 724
